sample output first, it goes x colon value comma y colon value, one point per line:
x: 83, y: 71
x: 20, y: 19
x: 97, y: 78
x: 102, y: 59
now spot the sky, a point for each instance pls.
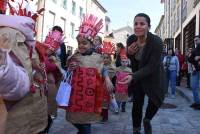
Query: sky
x: 122, y: 12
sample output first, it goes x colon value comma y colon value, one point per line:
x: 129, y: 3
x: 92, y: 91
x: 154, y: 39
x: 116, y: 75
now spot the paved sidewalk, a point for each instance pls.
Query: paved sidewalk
x: 186, y: 93
x: 181, y: 120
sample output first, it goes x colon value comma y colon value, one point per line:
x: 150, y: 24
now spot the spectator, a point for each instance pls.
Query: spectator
x: 194, y: 59
x: 181, y: 60
x: 171, y: 66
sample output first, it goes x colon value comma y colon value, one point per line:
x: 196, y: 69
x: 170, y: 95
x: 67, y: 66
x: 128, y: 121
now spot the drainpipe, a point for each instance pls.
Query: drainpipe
x: 43, y: 20
x: 181, y: 37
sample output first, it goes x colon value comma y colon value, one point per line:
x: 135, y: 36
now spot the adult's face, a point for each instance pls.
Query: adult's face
x: 197, y: 40
x: 170, y: 52
x: 141, y: 26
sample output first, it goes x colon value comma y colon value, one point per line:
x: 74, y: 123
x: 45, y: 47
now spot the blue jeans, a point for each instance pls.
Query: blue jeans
x: 195, y: 76
x: 171, y: 78
x: 83, y: 128
x: 121, y: 105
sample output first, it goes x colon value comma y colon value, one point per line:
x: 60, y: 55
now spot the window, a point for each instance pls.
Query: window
x: 63, y: 23
x: 51, y: 20
x: 184, y: 10
x: 72, y: 30
x: 64, y: 4
x: 81, y: 12
x: 73, y: 8
x: 107, y: 28
x: 178, y: 18
x: 175, y: 24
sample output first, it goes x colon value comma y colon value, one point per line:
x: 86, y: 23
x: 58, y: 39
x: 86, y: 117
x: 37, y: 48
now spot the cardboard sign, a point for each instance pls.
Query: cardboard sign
x: 87, y: 94
x: 121, y: 88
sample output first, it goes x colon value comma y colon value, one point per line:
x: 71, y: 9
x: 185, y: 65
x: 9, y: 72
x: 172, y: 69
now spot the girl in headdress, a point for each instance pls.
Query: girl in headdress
x: 108, y: 49
x: 121, y: 90
x: 86, y: 98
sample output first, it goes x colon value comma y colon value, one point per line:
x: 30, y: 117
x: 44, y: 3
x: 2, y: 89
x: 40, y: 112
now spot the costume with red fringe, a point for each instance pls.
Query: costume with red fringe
x: 109, y: 49
x: 27, y: 113
x: 86, y: 98
x: 121, y: 90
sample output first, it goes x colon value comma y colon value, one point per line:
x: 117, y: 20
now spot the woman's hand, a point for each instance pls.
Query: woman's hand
x: 126, y: 80
x: 133, y: 48
x: 196, y: 58
x: 109, y: 85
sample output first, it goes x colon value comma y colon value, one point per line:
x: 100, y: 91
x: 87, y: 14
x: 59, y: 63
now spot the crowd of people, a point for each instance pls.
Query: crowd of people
x: 100, y: 75
x: 178, y: 66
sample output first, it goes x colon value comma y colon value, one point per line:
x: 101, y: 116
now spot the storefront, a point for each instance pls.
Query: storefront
x: 189, y: 34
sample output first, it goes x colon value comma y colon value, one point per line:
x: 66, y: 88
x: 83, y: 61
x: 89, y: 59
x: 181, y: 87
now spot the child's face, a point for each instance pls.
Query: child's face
x: 83, y: 45
x: 124, y: 62
x: 107, y: 59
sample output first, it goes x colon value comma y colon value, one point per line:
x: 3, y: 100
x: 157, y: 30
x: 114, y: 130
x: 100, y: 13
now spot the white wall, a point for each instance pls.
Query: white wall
x: 64, y: 18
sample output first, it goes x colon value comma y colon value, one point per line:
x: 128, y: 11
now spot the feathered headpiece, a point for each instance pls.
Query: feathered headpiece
x: 23, y: 11
x: 53, y: 40
x: 90, y: 26
x: 123, y: 54
x: 3, y: 4
x: 108, y: 47
x: 20, y: 18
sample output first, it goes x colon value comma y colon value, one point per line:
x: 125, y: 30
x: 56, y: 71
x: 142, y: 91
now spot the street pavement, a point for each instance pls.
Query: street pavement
x: 180, y: 120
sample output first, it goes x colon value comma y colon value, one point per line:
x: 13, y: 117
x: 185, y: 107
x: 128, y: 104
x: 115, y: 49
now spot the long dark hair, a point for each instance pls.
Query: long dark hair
x: 173, y: 53
x: 58, y: 28
x: 146, y: 17
x: 120, y: 45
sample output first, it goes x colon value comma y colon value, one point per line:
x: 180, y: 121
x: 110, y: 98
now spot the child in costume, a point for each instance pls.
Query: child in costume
x: 53, y: 69
x: 121, y: 90
x: 20, y: 70
x: 108, y: 49
x: 86, y: 98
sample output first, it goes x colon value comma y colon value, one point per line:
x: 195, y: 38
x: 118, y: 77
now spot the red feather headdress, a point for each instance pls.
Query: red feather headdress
x: 23, y: 11
x: 90, y: 27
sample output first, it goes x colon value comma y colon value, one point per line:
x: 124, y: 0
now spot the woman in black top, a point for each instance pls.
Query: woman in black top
x: 120, y: 48
x: 144, y: 51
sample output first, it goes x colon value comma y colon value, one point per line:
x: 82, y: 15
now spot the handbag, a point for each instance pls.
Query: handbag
x: 64, y: 90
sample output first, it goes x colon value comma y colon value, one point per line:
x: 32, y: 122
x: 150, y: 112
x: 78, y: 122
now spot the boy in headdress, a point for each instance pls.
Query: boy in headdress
x: 121, y: 90
x: 85, y: 104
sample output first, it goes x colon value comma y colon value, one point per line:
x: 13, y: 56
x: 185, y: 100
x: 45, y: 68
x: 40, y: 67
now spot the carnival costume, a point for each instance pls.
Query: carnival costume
x: 87, y: 95
x: 22, y: 78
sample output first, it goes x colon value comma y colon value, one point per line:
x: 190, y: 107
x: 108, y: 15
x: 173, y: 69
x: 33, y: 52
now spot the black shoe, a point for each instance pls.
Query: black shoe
x: 137, y: 132
x: 123, y: 110
x: 195, y: 105
x: 131, y: 99
x: 147, y: 126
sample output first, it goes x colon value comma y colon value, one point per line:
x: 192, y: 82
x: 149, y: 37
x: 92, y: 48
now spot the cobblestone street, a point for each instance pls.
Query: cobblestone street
x: 181, y: 120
